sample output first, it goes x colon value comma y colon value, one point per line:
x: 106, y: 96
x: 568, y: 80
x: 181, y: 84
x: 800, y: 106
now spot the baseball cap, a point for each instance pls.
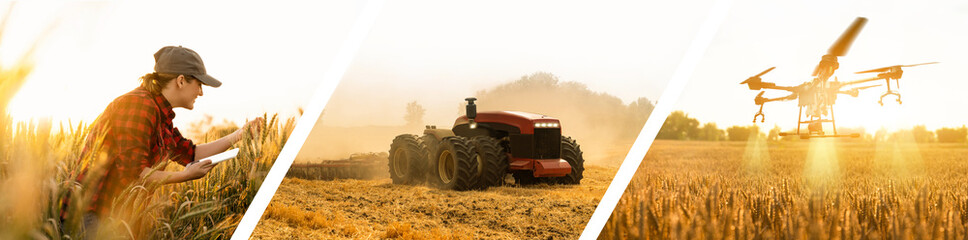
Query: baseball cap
x: 184, y: 61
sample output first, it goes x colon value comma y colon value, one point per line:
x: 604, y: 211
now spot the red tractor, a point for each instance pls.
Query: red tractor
x: 483, y: 148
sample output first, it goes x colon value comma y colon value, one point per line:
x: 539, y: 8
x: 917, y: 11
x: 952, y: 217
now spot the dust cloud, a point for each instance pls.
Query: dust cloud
x: 603, y: 125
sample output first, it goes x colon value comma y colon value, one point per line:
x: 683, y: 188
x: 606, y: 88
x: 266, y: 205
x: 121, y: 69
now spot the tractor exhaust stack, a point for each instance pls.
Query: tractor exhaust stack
x: 471, y: 111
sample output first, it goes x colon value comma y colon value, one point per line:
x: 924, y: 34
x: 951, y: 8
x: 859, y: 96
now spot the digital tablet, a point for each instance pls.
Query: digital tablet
x: 217, y: 158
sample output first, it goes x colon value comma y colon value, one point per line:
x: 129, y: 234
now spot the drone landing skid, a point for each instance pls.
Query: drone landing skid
x: 881, y: 101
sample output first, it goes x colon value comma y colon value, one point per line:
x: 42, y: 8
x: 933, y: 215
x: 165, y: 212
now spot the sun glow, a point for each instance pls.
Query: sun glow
x: 96, y: 51
x: 867, y: 113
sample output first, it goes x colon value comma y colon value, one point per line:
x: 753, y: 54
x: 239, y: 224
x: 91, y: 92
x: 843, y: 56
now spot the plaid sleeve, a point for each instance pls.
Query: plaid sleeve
x: 184, y: 149
x: 133, y: 122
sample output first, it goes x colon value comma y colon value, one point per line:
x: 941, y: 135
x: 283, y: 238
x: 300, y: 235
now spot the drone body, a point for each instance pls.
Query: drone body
x: 816, y: 97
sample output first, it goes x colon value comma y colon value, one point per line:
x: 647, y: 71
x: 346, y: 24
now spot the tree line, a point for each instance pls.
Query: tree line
x: 679, y: 126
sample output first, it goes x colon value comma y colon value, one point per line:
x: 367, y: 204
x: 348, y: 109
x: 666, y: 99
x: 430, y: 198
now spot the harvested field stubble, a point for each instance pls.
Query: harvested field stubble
x: 818, y: 189
x: 371, y: 209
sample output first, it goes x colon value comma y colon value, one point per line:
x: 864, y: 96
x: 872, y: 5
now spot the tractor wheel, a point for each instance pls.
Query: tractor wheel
x: 571, y: 153
x: 454, y: 164
x: 525, y: 178
x: 492, y: 161
x: 406, y: 159
x: 429, y: 144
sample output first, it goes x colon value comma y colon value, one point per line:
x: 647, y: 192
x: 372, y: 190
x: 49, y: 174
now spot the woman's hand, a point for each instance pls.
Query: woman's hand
x: 254, y: 125
x: 198, y: 170
x: 253, y: 128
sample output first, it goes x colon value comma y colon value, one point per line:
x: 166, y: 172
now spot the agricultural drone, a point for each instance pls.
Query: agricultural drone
x: 819, y: 95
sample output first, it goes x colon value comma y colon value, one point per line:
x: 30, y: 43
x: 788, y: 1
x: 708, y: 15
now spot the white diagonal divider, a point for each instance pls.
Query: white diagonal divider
x: 307, y: 121
x: 664, y: 106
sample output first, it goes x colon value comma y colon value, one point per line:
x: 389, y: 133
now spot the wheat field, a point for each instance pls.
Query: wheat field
x: 817, y: 189
x: 39, y: 165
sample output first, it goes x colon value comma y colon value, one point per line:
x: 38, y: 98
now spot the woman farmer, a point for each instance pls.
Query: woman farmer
x: 136, y: 133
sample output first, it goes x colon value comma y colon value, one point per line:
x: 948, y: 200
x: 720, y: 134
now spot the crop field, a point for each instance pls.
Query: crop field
x: 378, y: 209
x: 39, y: 165
x: 817, y: 189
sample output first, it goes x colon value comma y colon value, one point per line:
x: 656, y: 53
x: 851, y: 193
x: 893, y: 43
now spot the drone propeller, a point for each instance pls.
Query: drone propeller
x: 885, y: 69
x: 840, y: 47
x: 847, y: 38
x: 765, y: 71
x: 755, y: 83
x: 757, y: 76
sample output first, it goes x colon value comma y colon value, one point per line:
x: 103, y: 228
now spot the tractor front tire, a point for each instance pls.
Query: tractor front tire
x: 571, y: 153
x: 406, y: 160
x: 492, y: 161
x: 454, y: 164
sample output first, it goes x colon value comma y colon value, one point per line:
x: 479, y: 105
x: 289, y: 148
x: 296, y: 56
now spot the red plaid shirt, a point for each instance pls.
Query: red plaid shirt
x: 139, y: 134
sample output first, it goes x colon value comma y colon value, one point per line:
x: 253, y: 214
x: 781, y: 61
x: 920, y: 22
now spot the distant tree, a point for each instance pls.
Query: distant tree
x: 952, y: 135
x: 679, y: 126
x: 709, y: 132
x: 774, y: 134
x: 641, y: 109
x: 919, y: 133
x: 922, y: 135
x: 538, y: 81
x: 740, y: 133
x: 881, y: 135
x: 415, y: 114
x: 638, y: 112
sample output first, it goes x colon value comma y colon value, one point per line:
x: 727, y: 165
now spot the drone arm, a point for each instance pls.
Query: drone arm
x: 784, y: 88
x: 852, y: 92
x: 757, y: 83
x: 761, y: 101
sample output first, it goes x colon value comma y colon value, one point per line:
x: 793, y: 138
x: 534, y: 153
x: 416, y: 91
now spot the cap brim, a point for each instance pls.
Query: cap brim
x: 208, y: 80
